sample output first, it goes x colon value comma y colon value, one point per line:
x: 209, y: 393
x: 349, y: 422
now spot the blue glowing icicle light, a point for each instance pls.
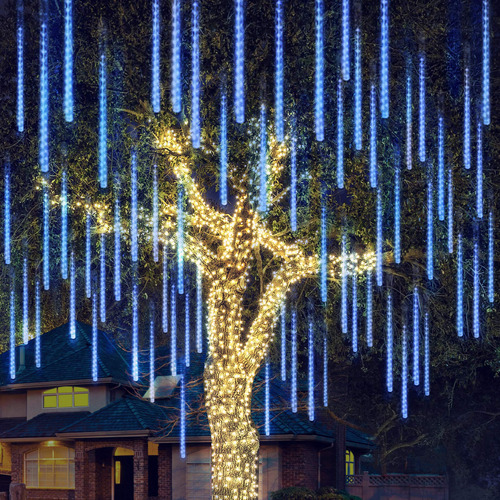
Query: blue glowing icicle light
x: 94, y: 336
x: 440, y: 172
x: 103, y: 125
x: 117, y: 281
x: 283, y: 341
x: 134, y: 250
x: 397, y: 213
x: 373, y: 137
x: 102, y: 278
x: 416, y: 338
x: 323, y: 256
x: 44, y: 92
x: 135, y: 326
x: 263, y: 161
x: 409, y: 118
x: 176, y: 56
x: 384, y: 58
x: 460, y: 288
x: 25, y: 301
x: 180, y: 239
x: 427, y: 356
x: 182, y: 440
x: 379, y: 243
x: 389, y: 346
x: 486, y: 62
x: 12, y: 346
x: 223, y: 148
x: 354, y: 312
x: 491, y: 289
x: 294, y: 362
x: 450, y: 210
x: 152, y: 360
x: 156, y: 248
x: 164, y: 292
x: 280, y: 124
x: 68, y: 60
x: 340, y: 136
x: 430, y: 229
x: 358, y: 135
x: 38, y: 326
x: 7, y: 214
x: 199, y: 309
x: 155, y: 58
x: 479, y: 184
x: 267, y: 401
x: 72, y: 297
x: 310, y: 374
x: 88, y: 222
x: 64, y: 226
x: 421, y: 109
x: 173, y: 330
x: 46, y: 237
x: 293, y: 181
x: 345, y: 64
x: 187, y: 343
x: 404, y: 374
x: 476, y: 291
x: 467, y: 119
x: 369, y: 309
x: 325, y: 370
x: 319, y: 75
x: 20, y: 67
x: 195, y: 76
x: 344, y: 284
x: 239, y: 62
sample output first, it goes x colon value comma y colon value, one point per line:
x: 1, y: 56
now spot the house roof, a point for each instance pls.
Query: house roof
x: 9, y: 423
x: 66, y: 359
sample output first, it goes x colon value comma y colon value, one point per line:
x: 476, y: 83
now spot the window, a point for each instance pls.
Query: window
x: 50, y: 467
x: 66, y: 397
x: 349, y: 463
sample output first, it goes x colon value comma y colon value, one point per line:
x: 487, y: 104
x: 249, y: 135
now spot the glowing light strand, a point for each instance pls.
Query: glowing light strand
x: 358, y: 134
x: 369, y: 309
x: 152, y: 360
x: 68, y: 60
x: 310, y: 375
x: 294, y: 362
x: 293, y: 181
x: 283, y: 341
x: 72, y: 297
x: 134, y: 251
x: 94, y: 337
x: 25, y: 301
x: 389, y: 346
x: 267, y: 401
x: 155, y: 58
x: 379, y: 243
x: 180, y: 239
x: 373, y: 137
x: 199, y: 310
x: 46, y: 238
x: 223, y: 148
x: 476, y: 291
x: 479, y: 173
x: 156, y: 249
x: 325, y: 370
x: 384, y: 58
x: 135, y: 326
x: 279, y: 84
x: 421, y: 110
x: 117, y: 260
x: 88, y: 222
x: 64, y: 226
x: 44, y: 91
x: 345, y: 66
x: 450, y: 210
x: 12, y: 347
x: 397, y: 213
x: 460, y: 288
x: 176, y: 56
x: 187, y: 330
x: 486, y: 63
x: 323, y: 256
x: 340, y: 136
x: 467, y: 119
x: 263, y: 161
x: 38, y: 326
x: 344, y: 284
x: 491, y: 263
x: 319, y: 74
x: 164, y: 292
x: 173, y: 330
x: 182, y: 440
x: 409, y: 118
x: 7, y: 215
x: 103, y: 125
x: 102, y: 278
x: 440, y: 204
x: 195, y: 75
x: 427, y: 356
x: 416, y: 338
x: 354, y: 279
x: 239, y: 53
x: 404, y: 374
x: 430, y: 229
x: 20, y: 67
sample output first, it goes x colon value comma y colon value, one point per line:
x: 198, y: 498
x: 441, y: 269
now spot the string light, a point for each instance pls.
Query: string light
x: 389, y: 347
x: 427, y: 354
x: 479, y: 187
x: 263, y: 161
x: 102, y: 274
x: 416, y: 338
x: 72, y: 297
x: 156, y: 249
x: 88, y: 222
x: 239, y: 52
x: 379, y: 243
x: 68, y: 60
x: 319, y: 74
x: 176, y: 56
x: 409, y: 118
x: 134, y: 251
x: 373, y: 137
x: 345, y: 67
x: 173, y: 330
x: 283, y: 341
x: 38, y: 326
x: 223, y: 148
x: 404, y: 374
x: 117, y: 260
x: 135, y: 326
x: 25, y: 301
x: 369, y: 309
x: 354, y: 313
x: 475, y: 308
x: 20, y: 66
x: 344, y: 284
x: 430, y: 228
x: 310, y: 377
x: 152, y: 359
x: 293, y: 180
x: 64, y: 226
x: 94, y: 337
x: 164, y: 292
x: 199, y: 310
x: 460, y: 288
x: 467, y: 119
x: 44, y: 90
x: 182, y: 440
x: 358, y: 135
x: 340, y: 136
x: 323, y: 256
x: 12, y: 347
x: 384, y: 58
x: 155, y: 58
x: 325, y: 370
x: 180, y: 239
x: 450, y: 210
x: 397, y: 213
x: 441, y: 168
x: 46, y: 236
x: 187, y: 345
x: 267, y: 423
x: 486, y: 62
x: 195, y: 82
x: 103, y: 125
x: 294, y: 361
x: 422, y: 106
x: 7, y: 214
x: 491, y: 290
x: 280, y: 124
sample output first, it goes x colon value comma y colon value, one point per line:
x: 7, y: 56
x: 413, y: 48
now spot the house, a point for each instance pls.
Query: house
x: 67, y: 437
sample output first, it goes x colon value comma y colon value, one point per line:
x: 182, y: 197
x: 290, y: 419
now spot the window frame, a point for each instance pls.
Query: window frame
x: 350, y: 460
x: 69, y: 467
x: 54, y: 391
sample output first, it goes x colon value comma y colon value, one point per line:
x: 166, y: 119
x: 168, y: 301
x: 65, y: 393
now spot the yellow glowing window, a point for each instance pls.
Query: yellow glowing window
x: 349, y: 463
x: 66, y: 397
x: 50, y: 467
x: 118, y: 471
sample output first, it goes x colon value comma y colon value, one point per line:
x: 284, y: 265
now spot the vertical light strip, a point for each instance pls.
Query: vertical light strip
x: 44, y: 90
x: 64, y: 226
x: 340, y: 136
x: 263, y: 160
x: 450, y: 210
x: 440, y: 168
x: 156, y: 249
x: 491, y: 263
x: 155, y: 58
x: 379, y: 243
x: 88, y: 222
x: 416, y: 338
x: 409, y: 118
x: 173, y: 330
x: 68, y: 60
x: 102, y: 278
x: 72, y: 297
x: 460, y: 288
x: 94, y: 336
x: 199, y: 309
x: 430, y: 228
x: 134, y: 250
x: 345, y: 66
x: 467, y: 119
x: 283, y: 340
x: 486, y: 62
x: 354, y: 312
x: 38, y: 326
x: 25, y: 301
x: 239, y: 56
x: 294, y: 361
x: 421, y: 110
x: 397, y: 212
x: 164, y: 291
x: 476, y: 291
x: 279, y: 84
x: 479, y: 186
x: 20, y: 66
x: 325, y: 369
x: 389, y: 346
x: 267, y: 401
x: 117, y: 261
x: 369, y: 309
x: 103, y: 124
x: 319, y: 76
x: 427, y: 356
x: 195, y: 76
x: 293, y: 180
x: 182, y: 440
x: 135, y: 325
x: 187, y: 331
x: 384, y: 58
x: 323, y: 256
x: 176, y: 56
x: 310, y: 375
x: 180, y: 238
x: 344, y: 284
x: 358, y: 135
x: 7, y: 214
x: 223, y: 148
x: 46, y: 238
x: 404, y: 374
x: 12, y: 346
x: 152, y: 359
x: 373, y: 137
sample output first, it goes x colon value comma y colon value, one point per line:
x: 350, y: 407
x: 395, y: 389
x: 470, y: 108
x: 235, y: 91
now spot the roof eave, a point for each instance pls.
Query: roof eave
x: 54, y: 383
x: 265, y: 439
x: 103, y: 434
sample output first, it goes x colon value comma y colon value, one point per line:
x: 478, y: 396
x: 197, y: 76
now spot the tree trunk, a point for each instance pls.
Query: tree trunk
x: 235, y: 440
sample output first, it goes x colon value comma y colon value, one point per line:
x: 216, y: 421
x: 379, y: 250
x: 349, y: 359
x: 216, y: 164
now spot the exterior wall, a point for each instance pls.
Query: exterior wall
x: 300, y: 464
x: 12, y: 405
x: 165, y: 472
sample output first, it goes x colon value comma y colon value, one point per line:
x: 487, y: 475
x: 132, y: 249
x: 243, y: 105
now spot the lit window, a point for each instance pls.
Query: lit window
x: 66, y: 397
x: 349, y: 463
x: 50, y: 467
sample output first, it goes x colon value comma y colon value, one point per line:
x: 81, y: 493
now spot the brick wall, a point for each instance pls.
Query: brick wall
x: 165, y: 472
x: 299, y: 465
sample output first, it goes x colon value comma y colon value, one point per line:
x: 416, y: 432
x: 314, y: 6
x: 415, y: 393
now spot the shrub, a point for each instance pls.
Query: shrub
x: 294, y: 493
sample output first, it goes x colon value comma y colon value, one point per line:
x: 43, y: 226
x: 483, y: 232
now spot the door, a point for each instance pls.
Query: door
x: 124, y: 478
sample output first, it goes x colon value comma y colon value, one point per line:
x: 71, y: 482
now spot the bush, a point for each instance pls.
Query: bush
x: 331, y: 493
x: 294, y: 493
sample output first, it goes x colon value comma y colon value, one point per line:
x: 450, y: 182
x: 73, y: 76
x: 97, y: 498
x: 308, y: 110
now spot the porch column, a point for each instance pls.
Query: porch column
x: 164, y: 472
x: 80, y: 472
x: 340, y: 456
x: 141, y: 470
